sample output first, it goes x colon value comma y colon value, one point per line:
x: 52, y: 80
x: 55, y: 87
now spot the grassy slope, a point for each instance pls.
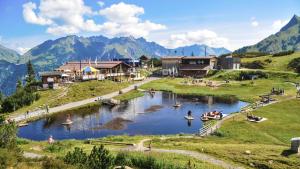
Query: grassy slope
x: 267, y: 141
x: 65, y: 146
x: 244, y: 90
x: 75, y: 92
x: 129, y: 95
x: 277, y: 64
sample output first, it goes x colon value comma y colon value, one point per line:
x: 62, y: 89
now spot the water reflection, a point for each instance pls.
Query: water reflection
x: 150, y: 114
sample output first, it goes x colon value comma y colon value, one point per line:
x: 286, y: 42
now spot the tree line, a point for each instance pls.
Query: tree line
x: 24, y: 95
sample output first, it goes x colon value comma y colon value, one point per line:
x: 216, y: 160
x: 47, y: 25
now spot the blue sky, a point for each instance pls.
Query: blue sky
x: 171, y: 23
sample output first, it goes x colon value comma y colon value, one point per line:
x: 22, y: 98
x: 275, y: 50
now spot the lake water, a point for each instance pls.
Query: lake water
x: 147, y: 115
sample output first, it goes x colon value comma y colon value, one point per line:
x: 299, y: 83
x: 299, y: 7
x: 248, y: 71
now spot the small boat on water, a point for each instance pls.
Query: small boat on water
x: 204, y: 118
x: 189, y: 117
x: 67, y: 123
x: 177, y: 105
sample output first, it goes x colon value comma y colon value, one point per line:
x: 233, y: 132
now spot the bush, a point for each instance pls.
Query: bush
x: 268, y: 60
x: 77, y: 157
x: 295, y: 64
x: 243, y: 75
x: 50, y: 163
x: 100, y: 158
x: 56, y: 147
x: 121, y: 159
x: 284, y: 53
x: 249, y: 54
x: 257, y: 64
x: 9, y: 158
x: 8, y: 135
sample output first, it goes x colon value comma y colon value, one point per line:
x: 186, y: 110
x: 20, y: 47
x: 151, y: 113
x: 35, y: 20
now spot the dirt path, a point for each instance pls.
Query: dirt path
x: 194, y: 154
x: 38, y: 113
x: 32, y: 155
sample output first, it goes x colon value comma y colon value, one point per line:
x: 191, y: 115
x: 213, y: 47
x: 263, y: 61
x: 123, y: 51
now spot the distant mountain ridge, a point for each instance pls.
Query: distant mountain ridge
x: 9, y: 55
x: 288, y: 38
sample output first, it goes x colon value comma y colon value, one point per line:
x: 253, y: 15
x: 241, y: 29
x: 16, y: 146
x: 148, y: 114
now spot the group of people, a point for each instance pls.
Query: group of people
x: 277, y: 91
x: 251, y: 117
x: 213, y: 115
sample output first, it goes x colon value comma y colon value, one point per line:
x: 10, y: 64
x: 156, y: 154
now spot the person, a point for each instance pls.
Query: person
x: 221, y: 116
x: 50, y: 140
x: 150, y: 145
x: 189, y: 113
x: 27, y: 113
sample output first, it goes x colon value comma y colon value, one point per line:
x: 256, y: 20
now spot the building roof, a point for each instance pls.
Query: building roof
x: 75, y: 66
x: 50, y: 73
x: 144, y: 57
x: 199, y: 57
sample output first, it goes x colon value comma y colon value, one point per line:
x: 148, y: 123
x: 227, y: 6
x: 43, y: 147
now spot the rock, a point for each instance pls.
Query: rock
x: 248, y: 152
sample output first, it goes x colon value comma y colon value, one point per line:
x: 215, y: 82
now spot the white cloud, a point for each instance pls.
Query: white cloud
x: 278, y: 24
x: 30, y: 16
x: 22, y: 50
x: 123, y: 20
x: 204, y: 36
x: 70, y: 17
x: 254, y: 23
x: 101, y: 3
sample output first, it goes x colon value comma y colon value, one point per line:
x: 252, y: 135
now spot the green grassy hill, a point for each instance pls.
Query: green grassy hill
x: 286, y: 39
x: 274, y: 63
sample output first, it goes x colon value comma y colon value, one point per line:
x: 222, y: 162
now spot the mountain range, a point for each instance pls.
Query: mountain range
x: 53, y: 53
x: 288, y: 38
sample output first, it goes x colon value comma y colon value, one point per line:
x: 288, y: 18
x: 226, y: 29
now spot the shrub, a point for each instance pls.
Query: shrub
x: 100, y: 158
x: 77, y: 157
x: 268, y: 60
x: 8, y: 135
x: 283, y: 53
x: 121, y: 159
x: 55, y: 147
x: 257, y: 64
x: 295, y: 64
x: 249, y: 54
x: 51, y: 163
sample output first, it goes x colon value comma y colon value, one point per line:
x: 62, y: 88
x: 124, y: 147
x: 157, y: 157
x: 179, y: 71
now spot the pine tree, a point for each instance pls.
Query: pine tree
x: 100, y: 158
x: 30, y: 73
x: 19, y: 85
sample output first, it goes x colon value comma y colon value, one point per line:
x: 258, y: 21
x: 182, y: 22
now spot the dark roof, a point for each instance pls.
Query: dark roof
x: 199, y: 57
x: 143, y: 57
x: 50, y: 73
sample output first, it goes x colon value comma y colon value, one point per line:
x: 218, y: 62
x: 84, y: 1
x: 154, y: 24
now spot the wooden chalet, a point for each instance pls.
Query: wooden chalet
x: 195, y: 66
x: 114, y: 70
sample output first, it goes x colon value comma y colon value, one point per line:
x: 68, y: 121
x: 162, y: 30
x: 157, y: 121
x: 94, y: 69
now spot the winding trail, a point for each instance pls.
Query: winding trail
x: 42, y: 112
x: 200, y: 156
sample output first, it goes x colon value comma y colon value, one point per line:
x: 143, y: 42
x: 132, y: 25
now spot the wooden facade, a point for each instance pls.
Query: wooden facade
x: 188, y: 66
x: 114, y: 70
